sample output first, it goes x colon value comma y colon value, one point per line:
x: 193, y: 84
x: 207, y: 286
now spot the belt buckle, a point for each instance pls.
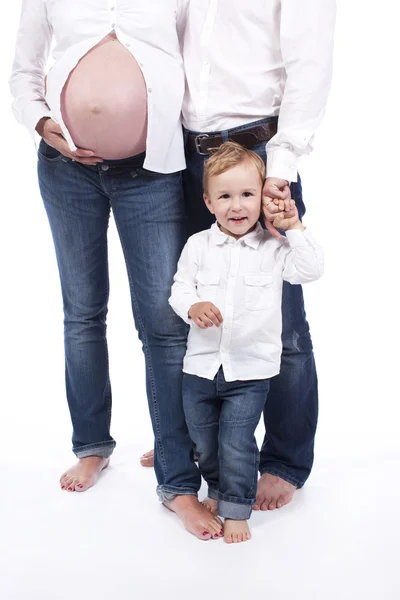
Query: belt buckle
x: 197, y: 143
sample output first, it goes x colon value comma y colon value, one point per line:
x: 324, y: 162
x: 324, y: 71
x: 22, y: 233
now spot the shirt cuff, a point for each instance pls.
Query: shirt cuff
x: 297, y: 238
x: 185, y: 317
x: 182, y: 307
x: 33, y: 113
x: 282, y: 163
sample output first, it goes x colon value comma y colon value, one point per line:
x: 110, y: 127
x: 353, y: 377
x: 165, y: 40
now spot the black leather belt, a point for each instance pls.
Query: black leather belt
x: 203, y: 143
x: 122, y: 165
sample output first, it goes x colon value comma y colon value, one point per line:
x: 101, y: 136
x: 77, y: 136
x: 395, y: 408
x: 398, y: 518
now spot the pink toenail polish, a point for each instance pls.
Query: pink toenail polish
x: 206, y: 533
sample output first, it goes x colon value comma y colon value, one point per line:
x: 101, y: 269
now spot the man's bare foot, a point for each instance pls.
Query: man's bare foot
x: 196, y: 518
x: 147, y: 460
x: 273, y: 492
x: 212, y: 506
x: 236, y: 531
x: 84, y: 474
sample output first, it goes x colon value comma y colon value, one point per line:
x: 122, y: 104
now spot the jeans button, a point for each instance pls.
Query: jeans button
x: 104, y: 167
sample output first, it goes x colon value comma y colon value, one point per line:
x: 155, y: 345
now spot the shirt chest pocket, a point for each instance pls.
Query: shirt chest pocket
x: 259, y: 291
x: 207, y: 285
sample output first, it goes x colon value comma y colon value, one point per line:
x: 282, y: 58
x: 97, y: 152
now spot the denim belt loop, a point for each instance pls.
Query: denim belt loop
x: 185, y: 135
x: 225, y: 136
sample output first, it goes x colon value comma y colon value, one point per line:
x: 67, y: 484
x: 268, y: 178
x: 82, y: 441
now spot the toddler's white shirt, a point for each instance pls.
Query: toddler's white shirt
x: 244, y: 279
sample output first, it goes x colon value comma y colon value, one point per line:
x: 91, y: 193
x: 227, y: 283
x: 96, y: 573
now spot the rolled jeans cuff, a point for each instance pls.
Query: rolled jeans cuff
x: 230, y: 508
x: 282, y: 474
x: 166, y: 493
x: 101, y: 450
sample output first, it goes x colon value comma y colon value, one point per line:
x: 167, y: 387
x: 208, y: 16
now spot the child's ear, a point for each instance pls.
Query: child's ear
x: 208, y: 203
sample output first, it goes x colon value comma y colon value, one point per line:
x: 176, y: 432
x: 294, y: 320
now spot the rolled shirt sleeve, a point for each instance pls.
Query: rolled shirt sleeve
x: 306, y: 36
x: 303, y: 257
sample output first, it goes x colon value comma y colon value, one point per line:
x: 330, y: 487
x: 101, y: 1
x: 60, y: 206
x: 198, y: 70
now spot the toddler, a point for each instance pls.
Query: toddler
x: 228, y: 287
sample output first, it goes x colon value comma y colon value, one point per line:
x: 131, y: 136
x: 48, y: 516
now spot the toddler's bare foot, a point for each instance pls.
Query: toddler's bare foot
x: 273, y: 492
x: 236, y: 531
x: 84, y: 474
x: 212, y: 505
x: 147, y: 460
x: 196, y: 518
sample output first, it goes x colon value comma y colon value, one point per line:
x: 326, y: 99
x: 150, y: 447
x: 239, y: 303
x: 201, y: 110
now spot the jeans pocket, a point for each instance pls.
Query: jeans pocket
x: 49, y: 153
x: 258, y: 291
x: 207, y: 285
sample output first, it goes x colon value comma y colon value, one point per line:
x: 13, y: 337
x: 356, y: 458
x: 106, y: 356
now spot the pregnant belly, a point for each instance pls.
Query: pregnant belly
x: 104, y: 102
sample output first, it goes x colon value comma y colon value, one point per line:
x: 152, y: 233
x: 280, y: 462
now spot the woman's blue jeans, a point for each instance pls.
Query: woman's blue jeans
x: 148, y: 209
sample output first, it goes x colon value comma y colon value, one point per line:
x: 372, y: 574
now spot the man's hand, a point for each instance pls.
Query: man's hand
x: 283, y: 221
x: 275, y: 189
x: 205, y: 314
x: 52, y: 134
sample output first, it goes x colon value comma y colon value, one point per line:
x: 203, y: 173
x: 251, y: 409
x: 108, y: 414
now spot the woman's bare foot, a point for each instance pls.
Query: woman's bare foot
x: 196, y: 518
x: 147, y: 460
x: 273, y: 492
x: 236, y: 531
x: 84, y: 474
x: 212, y: 506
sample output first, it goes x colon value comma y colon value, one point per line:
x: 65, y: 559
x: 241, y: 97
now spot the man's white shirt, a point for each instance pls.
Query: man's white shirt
x: 250, y: 59
x: 243, y: 279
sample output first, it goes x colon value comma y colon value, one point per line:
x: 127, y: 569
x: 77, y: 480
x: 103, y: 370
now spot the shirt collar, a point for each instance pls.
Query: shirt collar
x: 252, y: 239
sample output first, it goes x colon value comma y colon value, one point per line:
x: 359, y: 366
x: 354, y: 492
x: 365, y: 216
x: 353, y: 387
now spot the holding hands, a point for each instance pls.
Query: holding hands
x: 279, y: 210
x: 282, y: 214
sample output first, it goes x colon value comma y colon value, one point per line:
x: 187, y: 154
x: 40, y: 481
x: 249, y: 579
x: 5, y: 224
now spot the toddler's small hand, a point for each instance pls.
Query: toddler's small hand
x: 285, y: 205
x: 205, y: 314
x: 272, y: 208
x: 288, y: 219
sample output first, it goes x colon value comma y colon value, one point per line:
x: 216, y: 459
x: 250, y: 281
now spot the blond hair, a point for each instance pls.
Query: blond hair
x: 227, y: 156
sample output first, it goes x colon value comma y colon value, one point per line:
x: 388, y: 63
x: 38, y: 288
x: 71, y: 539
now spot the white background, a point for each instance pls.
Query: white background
x: 338, y: 539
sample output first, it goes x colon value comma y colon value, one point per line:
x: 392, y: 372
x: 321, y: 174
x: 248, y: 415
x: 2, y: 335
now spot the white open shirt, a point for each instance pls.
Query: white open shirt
x: 243, y: 278
x: 148, y: 28
x: 250, y: 59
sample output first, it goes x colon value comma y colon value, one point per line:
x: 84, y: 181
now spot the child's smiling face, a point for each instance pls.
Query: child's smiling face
x: 234, y: 197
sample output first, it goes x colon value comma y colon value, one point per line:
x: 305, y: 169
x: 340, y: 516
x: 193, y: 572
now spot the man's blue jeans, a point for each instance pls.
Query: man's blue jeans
x: 222, y: 418
x: 148, y: 209
x: 291, y: 413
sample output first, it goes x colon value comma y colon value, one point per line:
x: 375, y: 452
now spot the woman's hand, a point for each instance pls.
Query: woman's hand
x: 52, y: 134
